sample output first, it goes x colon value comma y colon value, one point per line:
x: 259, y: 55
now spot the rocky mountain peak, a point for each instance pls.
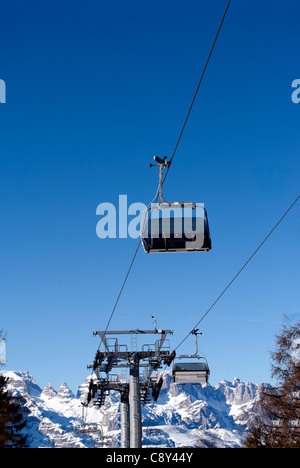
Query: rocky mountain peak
x: 183, y: 416
x: 48, y: 391
x: 64, y: 392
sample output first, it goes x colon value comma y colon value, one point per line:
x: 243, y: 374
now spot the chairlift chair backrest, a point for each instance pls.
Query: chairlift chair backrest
x: 190, y: 372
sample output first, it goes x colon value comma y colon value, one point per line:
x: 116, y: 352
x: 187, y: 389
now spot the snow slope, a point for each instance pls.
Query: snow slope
x: 183, y: 416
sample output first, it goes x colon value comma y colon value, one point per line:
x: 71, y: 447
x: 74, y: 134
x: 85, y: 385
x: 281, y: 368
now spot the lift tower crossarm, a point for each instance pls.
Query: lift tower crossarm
x: 163, y: 334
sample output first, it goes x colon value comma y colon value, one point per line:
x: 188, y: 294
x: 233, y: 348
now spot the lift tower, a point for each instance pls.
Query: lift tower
x: 135, y: 392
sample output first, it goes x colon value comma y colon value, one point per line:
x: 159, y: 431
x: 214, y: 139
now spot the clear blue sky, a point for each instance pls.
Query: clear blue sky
x: 94, y: 90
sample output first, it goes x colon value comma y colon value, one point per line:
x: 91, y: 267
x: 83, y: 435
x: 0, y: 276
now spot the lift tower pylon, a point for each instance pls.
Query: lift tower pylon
x: 134, y: 392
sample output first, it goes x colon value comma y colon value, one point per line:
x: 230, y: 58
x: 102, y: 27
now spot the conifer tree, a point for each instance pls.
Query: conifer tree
x: 11, y: 419
x: 277, y: 421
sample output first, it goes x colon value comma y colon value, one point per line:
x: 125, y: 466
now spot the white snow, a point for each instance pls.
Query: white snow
x: 183, y: 416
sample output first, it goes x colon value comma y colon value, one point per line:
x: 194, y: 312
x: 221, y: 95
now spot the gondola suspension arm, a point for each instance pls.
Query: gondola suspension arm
x: 161, y: 164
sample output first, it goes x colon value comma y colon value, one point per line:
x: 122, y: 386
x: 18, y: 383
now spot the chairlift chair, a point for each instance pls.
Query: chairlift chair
x: 191, y: 372
x: 175, y: 226
x: 88, y: 428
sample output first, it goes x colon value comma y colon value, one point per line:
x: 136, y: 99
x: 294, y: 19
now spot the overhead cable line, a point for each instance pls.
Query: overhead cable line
x: 197, y: 89
x: 121, y: 290
x: 172, y: 157
x: 240, y: 270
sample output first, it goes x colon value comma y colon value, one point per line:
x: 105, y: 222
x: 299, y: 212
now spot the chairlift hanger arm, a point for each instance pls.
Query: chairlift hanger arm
x: 195, y: 355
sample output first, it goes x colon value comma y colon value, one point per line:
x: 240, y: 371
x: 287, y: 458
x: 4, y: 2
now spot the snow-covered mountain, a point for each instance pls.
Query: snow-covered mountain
x: 183, y: 416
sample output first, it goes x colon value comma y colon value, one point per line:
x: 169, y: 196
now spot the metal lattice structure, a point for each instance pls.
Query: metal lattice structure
x: 135, y: 391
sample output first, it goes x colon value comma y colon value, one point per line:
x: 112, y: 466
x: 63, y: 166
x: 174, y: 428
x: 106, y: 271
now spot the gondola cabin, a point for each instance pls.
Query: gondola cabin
x: 175, y: 227
x: 190, y: 373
